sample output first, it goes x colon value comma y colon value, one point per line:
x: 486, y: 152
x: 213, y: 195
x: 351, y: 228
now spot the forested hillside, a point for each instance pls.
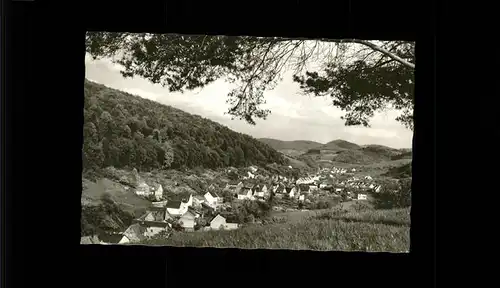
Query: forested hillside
x: 123, y: 130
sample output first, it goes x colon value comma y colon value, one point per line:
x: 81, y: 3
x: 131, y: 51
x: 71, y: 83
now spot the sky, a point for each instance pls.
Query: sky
x: 293, y: 115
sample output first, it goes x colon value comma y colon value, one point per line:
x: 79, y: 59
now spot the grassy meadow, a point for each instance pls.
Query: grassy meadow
x: 370, y: 230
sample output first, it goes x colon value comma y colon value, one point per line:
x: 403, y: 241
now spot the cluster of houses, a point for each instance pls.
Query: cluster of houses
x: 187, y: 213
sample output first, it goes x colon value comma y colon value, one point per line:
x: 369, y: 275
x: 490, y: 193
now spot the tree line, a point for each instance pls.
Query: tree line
x: 123, y: 130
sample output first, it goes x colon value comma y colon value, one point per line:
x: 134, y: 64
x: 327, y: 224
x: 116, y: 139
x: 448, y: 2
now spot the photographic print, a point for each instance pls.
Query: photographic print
x: 247, y: 142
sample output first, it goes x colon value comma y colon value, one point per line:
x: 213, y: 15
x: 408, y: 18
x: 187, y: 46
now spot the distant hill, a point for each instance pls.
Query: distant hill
x: 338, y: 145
x: 337, y: 151
x: 403, y: 171
x: 403, y: 155
x: 300, y: 145
x: 123, y: 130
x: 380, y: 151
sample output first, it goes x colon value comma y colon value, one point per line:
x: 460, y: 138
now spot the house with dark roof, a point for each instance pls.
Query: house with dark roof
x: 258, y: 191
x: 280, y: 189
x: 176, y: 208
x: 154, y: 222
x: 245, y: 193
x: 234, y: 184
x: 304, y: 188
x: 290, y: 191
x: 134, y: 233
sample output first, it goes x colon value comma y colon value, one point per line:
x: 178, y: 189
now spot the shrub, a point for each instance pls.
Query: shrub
x: 394, y: 197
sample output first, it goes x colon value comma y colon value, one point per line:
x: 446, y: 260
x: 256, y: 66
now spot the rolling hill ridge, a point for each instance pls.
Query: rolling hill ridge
x: 336, y: 151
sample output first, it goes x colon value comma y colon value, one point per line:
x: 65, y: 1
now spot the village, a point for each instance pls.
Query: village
x: 214, y: 208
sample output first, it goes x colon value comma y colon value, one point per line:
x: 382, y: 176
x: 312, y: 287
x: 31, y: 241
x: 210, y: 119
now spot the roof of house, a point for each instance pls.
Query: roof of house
x: 135, y: 232
x: 194, y: 210
x: 159, y: 215
x: 173, y: 204
x: 257, y: 188
x: 158, y: 205
x: 280, y: 189
x: 244, y: 191
x: 212, y: 193
x: 288, y: 189
x: 234, y: 182
x: 189, y: 214
x: 304, y: 187
x: 204, y: 204
x: 167, y: 216
x: 218, y: 217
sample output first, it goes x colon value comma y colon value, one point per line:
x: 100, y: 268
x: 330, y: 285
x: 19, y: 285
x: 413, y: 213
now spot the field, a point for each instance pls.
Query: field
x: 371, y: 231
x: 126, y: 199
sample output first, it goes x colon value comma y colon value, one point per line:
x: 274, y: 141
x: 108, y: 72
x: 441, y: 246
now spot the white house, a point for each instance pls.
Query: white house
x: 372, y: 186
x: 210, y: 199
x: 302, y: 197
x: 368, y: 178
x: 158, y: 192
x: 258, y: 191
x: 143, y: 189
x: 253, y: 169
x: 322, y: 185
x: 176, y: 208
x: 245, y: 193
x: 378, y: 188
x: 187, y: 220
x: 219, y: 222
x: 361, y: 196
x: 338, y: 189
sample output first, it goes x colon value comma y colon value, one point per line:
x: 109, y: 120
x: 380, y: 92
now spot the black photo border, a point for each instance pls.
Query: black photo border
x: 45, y: 116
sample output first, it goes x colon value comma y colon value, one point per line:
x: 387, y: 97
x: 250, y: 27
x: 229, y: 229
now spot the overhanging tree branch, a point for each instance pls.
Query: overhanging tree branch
x: 368, y: 44
x: 382, y: 50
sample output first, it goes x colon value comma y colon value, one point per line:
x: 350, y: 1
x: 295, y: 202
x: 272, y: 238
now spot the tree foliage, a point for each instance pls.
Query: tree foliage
x: 397, y: 195
x: 122, y: 130
x: 361, y: 77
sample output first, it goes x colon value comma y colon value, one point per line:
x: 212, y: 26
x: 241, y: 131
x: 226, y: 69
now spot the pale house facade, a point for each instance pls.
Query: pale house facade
x: 245, y: 193
x: 187, y: 220
x: 158, y: 192
x: 176, y: 208
x: 219, y: 222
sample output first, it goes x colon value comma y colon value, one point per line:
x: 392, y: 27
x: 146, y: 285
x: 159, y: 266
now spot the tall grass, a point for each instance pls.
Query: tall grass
x: 314, y: 233
x: 399, y: 217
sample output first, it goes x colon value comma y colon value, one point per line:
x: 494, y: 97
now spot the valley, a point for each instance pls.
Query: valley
x: 156, y: 175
